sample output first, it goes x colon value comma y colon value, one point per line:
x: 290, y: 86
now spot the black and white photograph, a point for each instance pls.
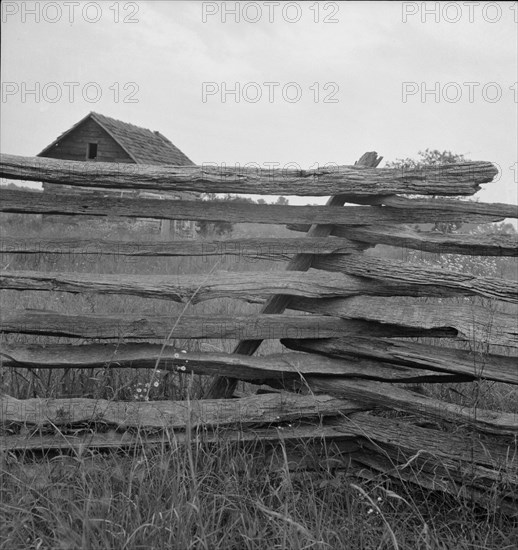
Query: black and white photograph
x: 258, y: 275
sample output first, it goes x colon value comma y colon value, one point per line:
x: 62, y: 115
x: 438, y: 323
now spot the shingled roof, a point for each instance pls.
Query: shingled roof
x: 142, y: 145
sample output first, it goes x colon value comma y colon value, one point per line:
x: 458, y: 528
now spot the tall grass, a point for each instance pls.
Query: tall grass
x: 223, y: 496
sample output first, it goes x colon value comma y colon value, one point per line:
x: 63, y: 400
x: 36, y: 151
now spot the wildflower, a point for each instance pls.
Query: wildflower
x: 155, y: 384
x: 139, y: 390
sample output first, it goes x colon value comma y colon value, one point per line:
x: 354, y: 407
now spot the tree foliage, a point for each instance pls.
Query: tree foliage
x: 219, y: 228
x: 428, y: 157
x: 432, y: 157
x: 282, y: 201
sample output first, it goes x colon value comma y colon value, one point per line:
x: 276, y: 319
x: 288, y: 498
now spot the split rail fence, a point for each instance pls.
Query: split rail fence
x: 351, y: 339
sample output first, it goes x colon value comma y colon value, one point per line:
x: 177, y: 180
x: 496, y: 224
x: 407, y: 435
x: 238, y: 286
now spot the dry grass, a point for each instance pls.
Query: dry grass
x: 225, y: 497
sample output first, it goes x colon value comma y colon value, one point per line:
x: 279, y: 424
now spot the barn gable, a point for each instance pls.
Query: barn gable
x: 74, y: 144
x: 104, y: 139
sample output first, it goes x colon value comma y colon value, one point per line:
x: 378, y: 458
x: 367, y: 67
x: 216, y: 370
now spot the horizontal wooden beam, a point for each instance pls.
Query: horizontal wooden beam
x: 111, y: 439
x: 389, y: 396
x: 196, y: 288
x: 429, y: 241
x: 468, y: 322
x: 379, y: 280
x: 287, y: 366
x: 255, y: 248
x: 239, y: 327
x: 457, y: 361
x: 264, y: 409
x: 453, y: 206
x: 35, y: 202
x: 397, y: 273
x: 462, y: 178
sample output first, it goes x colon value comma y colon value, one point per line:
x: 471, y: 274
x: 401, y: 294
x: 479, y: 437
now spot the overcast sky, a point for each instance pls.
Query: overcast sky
x: 345, y: 78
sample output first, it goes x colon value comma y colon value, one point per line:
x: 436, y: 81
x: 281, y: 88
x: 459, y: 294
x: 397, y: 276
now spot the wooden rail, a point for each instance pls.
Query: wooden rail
x: 286, y: 366
x: 428, y: 241
x: 367, y: 277
x: 453, y: 179
x: 255, y: 249
x: 474, y: 364
x: 469, y: 322
x: 35, y: 202
x: 129, y: 327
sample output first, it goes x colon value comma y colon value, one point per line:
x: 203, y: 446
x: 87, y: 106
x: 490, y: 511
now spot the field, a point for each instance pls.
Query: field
x: 215, y: 495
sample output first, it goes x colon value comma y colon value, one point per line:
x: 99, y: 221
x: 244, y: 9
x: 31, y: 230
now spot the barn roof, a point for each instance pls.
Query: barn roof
x: 142, y: 145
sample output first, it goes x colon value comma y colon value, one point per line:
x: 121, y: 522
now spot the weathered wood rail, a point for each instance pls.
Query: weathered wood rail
x: 467, y: 322
x: 34, y: 202
x: 404, y: 281
x: 256, y: 369
x: 452, y: 179
x: 258, y: 248
x: 354, y: 316
x: 345, y: 319
x: 427, y: 241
